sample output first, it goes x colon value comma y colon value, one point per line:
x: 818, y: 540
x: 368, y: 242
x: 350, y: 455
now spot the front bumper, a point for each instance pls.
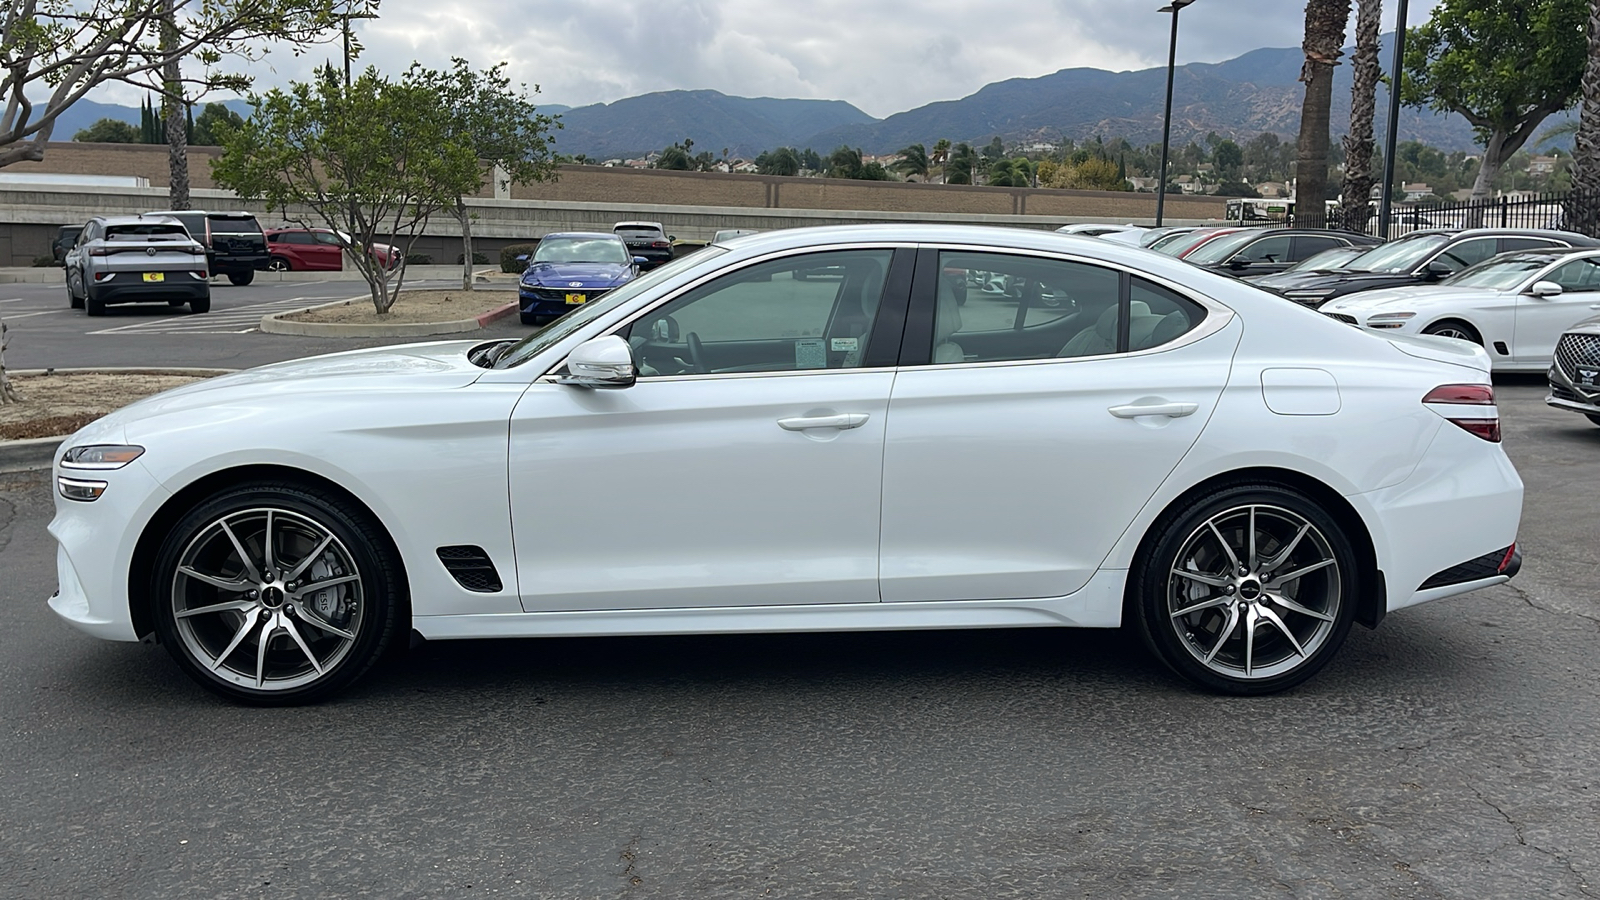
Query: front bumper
x: 553, y: 301
x: 1567, y: 390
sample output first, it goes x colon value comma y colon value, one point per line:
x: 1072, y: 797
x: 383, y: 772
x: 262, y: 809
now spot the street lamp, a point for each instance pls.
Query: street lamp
x: 351, y: 14
x: 1166, y: 123
x: 1395, y: 75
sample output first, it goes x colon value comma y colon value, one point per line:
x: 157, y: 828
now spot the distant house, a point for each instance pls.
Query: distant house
x: 1143, y: 184
x: 1415, y: 192
x: 1272, y: 189
x: 1542, y: 165
x: 1041, y: 147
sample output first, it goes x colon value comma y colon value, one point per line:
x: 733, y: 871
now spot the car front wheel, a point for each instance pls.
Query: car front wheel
x: 1250, y: 591
x: 240, y: 279
x: 272, y: 594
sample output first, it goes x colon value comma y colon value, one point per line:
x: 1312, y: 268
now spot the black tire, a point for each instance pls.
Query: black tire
x: 240, y: 279
x: 93, y: 305
x: 176, y: 303
x: 278, y: 264
x: 1315, y: 607
x: 1592, y: 417
x: 1455, y: 328
x: 73, y: 300
x: 317, y: 643
x: 199, y: 305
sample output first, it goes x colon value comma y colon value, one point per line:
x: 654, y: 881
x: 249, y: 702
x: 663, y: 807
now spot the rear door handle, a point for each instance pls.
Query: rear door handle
x: 1171, y: 410
x: 840, y: 421
x: 1594, y: 306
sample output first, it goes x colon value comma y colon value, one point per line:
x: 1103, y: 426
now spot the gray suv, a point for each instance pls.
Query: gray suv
x: 136, y: 259
x: 1575, y: 372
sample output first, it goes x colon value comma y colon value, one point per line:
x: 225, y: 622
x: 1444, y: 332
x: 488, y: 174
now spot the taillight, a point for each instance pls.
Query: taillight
x: 1469, y: 407
x: 660, y: 244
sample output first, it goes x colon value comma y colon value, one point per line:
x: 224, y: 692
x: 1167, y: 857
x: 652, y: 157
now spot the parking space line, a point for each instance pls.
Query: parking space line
x: 42, y: 312
x: 224, y: 322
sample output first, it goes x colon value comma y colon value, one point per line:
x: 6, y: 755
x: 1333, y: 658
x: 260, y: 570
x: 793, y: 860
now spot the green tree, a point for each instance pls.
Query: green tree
x: 940, y: 155
x: 215, y: 121
x: 996, y: 149
x: 376, y: 159
x: 675, y: 157
x: 1504, y: 67
x: 810, y: 160
x: 508, y: 135
x: 844, y: 162
x: 1228, y: 158
x: 1358, y: 143
x: 108, y: 131
x: 914, y: 161
x: 1323, y: 44
x: 1016, y: 172
x: 962, y: 164
x: 782, y: 161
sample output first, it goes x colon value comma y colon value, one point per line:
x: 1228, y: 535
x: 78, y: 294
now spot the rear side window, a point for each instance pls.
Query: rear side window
x: 1309, y: 245
x: 234, y: 225
x: 1459, y: 256
x: 1527, y: 243
x: 146, y: 229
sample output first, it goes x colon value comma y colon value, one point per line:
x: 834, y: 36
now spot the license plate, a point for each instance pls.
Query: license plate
x: 1588, y: 377
x: 575, y: 299
x: 155, y: 276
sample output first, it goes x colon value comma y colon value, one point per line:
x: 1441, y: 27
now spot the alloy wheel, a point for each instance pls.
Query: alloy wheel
x: 1254, y: 592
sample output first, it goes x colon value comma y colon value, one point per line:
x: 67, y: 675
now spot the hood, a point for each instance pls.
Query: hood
x: 1590, y: 325
x: 1440, y: 349
x: 440, y: 365
x: 586, y: 274
x: 1338, y: 278
x: 1402, y: 298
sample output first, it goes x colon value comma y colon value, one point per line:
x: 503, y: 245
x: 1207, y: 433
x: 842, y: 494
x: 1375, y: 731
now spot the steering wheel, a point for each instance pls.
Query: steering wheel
x: 697, y: 354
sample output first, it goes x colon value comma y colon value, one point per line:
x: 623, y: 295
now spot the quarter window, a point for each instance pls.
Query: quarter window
x: 1578, y: 275
x: 814, y: 311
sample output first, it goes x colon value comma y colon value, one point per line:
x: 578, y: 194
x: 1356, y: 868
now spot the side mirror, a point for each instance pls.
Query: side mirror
x: 1239, y: 262
x: 1436, y: 270
x: 1545, y: 289
x: 640, y: 261
x: 522, y: 257
x: 605, y: 362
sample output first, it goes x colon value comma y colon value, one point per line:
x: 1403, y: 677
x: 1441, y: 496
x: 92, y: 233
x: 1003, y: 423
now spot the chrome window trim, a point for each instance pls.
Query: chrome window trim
x: 1217, y: 317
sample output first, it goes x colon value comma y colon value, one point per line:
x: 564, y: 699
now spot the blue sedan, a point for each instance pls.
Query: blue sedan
x: 571, y: 269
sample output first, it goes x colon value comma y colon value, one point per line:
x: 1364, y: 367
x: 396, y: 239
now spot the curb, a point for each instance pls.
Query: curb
x: 28, y: 454
x: 274, y: 323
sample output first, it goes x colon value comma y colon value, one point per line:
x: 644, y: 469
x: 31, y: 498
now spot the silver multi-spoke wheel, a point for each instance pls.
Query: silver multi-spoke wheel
x: 267, y: 599
x: 1254, y: 592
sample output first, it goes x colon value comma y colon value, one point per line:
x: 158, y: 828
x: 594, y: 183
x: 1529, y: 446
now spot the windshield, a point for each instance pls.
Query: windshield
x: 1223, y: 247
x: 581, y: 250
x: 551, y: 334
x: 1402, y: 255
x: 1498, y: 274
x: 1332, y: 258
x: 1184, y: 243
x: 234, y: 225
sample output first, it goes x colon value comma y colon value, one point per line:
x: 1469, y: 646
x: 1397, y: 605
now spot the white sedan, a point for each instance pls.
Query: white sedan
x: 1515, y: 305
x: 805, y: 431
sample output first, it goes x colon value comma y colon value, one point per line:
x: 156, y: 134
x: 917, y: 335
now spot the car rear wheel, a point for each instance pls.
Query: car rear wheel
x: 241, y: 279
x: 1250, y: 591
x: 278, y: 264
x: 93, y: 305
x: 1451, y: 328
x: 200, y: 305
x: 1592, y: 417
x: 271, y: 594
x: 73, y: 300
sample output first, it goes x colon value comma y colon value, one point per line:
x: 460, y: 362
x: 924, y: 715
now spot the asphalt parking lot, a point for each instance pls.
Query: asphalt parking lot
x: 1453, y: 753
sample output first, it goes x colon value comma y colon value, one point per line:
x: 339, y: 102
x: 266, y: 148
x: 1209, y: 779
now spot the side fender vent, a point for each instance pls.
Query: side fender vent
x: 471, y: 568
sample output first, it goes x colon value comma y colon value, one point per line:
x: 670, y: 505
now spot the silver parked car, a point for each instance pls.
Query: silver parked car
x: 136, y: 259
x: 1575, y: 373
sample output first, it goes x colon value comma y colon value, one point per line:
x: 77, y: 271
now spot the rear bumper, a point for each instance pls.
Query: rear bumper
x: 129, y: 287
x: 233, y: 262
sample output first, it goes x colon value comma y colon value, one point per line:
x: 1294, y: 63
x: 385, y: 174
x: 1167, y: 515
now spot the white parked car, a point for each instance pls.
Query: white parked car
x: 1516, y: 305
x: 806, y: 432
x: 1121, y: 234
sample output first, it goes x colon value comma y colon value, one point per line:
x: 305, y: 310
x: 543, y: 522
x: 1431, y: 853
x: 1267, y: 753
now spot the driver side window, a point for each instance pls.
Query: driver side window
x: 813, y: 311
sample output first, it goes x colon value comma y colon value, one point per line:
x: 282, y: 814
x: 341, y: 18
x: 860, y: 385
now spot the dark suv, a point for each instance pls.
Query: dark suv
x: 646, y: 239
x: 66, y: 237
x: 235, y: 244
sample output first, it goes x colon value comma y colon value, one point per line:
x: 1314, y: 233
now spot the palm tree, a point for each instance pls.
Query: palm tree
x: 961, y: 165
x: 1324, y: 42
x: 782, y: 161
x: 844, y: 163
x: 940, y: 156
x: 1363, y: 106
x: 913, y: 161
x: 1584, y: 212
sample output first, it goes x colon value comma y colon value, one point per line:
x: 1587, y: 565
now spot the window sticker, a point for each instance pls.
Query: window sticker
x: 808, y: 354
x: 845, y: 344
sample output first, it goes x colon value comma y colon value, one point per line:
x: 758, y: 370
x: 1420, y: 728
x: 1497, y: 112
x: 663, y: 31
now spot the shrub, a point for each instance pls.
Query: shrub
x: 40, y: 262
x: 478, y: 259
x: 509, y: 254
x: 418, y: 259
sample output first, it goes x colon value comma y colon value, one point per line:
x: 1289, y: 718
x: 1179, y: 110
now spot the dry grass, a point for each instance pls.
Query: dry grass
x: 412, y: 307
x: 61, y: 404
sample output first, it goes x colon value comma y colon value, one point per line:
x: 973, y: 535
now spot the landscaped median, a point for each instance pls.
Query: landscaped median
x: 57, y: 402
x: 415, y: 314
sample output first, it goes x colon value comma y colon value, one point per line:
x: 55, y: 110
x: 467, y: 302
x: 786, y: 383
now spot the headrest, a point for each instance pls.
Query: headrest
x: 947, y: 318
x: 1106, y: 325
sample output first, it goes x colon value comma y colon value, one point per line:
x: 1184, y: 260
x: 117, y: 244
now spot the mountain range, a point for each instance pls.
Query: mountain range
x: 1239, y: 98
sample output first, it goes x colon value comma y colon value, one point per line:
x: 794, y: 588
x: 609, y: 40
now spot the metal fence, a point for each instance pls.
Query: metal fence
x: 1566, y: 211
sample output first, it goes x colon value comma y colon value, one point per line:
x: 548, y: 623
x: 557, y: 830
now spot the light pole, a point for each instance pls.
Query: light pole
x: 1166, y: 121
x: 1395, y: 76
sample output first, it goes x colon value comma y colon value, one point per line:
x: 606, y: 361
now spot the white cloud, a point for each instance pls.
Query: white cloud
x: 883, y: 57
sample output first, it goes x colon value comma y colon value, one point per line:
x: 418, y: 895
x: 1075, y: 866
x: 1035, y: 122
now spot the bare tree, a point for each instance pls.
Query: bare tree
x: 1324, y: 43
x: 1363, y: 107
x: 8, y: 394
x: 61, y: 51
x: 1584, y: 214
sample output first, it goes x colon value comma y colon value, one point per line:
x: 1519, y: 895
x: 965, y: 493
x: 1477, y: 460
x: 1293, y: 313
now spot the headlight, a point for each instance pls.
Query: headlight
x: 1389, y: 320
x: 100, y: 456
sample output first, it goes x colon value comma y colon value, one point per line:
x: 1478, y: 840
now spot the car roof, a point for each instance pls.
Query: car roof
x: 238, y: 213
x: 596, y: 235
x: 135, y: 220
x: 1581, y: 240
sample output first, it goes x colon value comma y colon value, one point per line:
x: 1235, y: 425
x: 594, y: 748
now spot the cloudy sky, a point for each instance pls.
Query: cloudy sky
x: 884, y: 57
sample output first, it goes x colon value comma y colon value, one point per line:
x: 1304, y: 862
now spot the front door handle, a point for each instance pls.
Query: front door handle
x: 840, y: 421
x: 1171, y: 410
x: 1594, y: 306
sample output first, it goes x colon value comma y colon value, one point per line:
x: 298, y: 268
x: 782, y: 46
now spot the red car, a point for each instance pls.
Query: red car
x: 316, y: 249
